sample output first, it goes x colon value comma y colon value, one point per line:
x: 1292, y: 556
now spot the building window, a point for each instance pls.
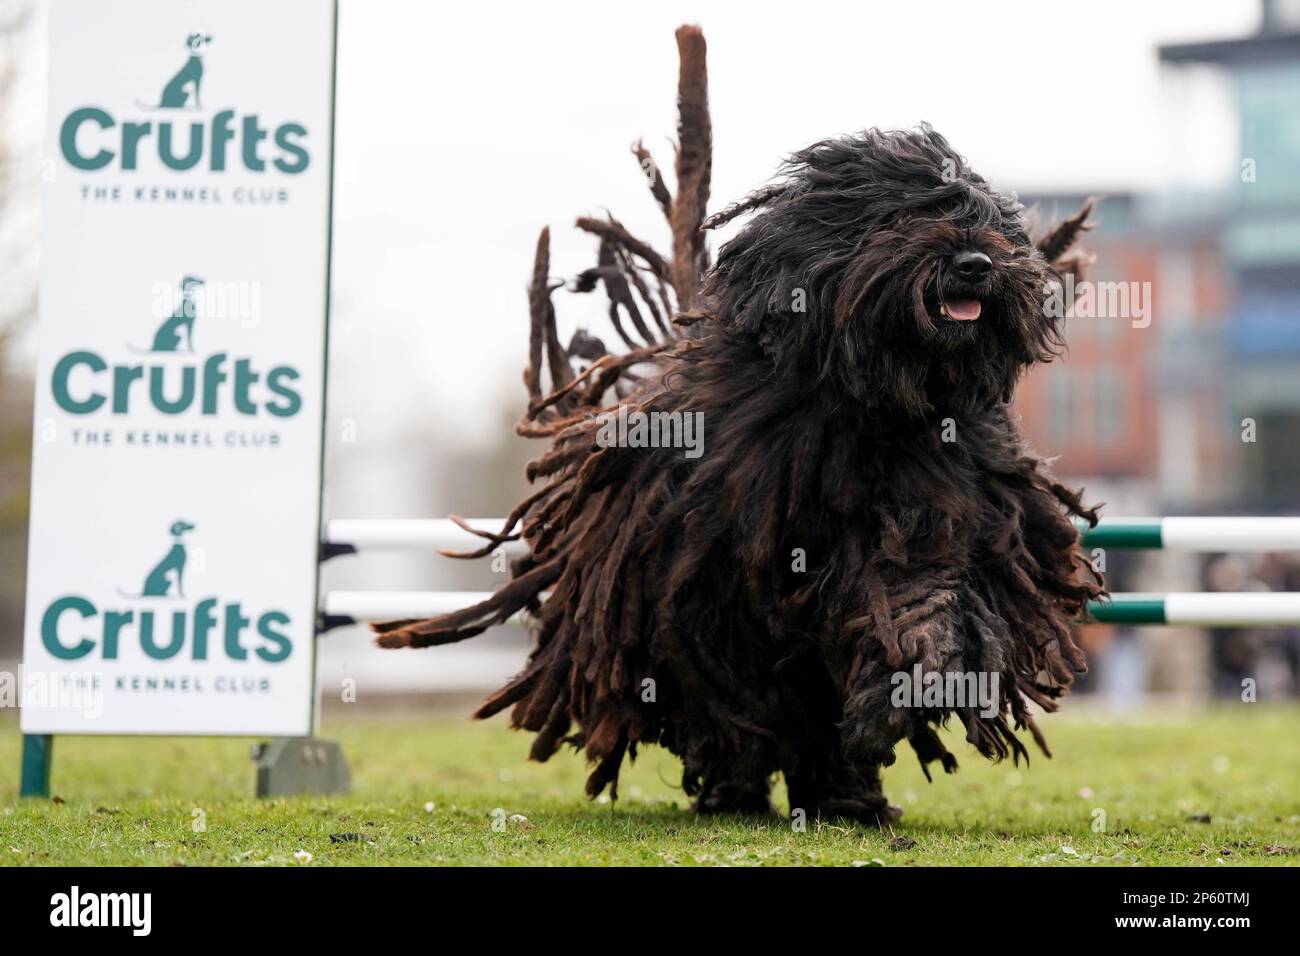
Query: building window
x: 1270, y: 134
x: 1061, y: 401
x: 1110, y: 403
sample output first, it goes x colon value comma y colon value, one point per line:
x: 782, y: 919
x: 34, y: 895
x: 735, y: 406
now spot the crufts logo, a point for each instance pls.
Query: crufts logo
x: 184, y: 86
x: 84, y: 382
x: 179, y: 326
x: 181, y: 94
x: 76, y: 908
x: 163, y: 632
x: 170, y: 570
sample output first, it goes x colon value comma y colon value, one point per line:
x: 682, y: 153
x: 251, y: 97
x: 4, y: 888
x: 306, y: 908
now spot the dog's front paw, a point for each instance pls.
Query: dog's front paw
x: 728, y: 797
x: 872, y: 811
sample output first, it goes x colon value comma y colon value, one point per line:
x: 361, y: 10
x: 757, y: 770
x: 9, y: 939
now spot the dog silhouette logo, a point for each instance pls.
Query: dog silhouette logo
x: 180, y: 324
x: 169, y: 571
x: 182, y: 90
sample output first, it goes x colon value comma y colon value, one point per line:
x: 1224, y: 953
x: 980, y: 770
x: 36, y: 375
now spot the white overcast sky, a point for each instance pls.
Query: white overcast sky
x: 463, y: 128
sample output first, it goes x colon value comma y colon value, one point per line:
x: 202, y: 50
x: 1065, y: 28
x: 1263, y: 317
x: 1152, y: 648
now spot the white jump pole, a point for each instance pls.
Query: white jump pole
x: 1197, y: 609
x: 1227, y: 534
x: 409, y: 534
x: 1188, y: 609
x: 352, y: 607
x: 1191, y: 609
x: 388, y: 605
x: 1169, y: 534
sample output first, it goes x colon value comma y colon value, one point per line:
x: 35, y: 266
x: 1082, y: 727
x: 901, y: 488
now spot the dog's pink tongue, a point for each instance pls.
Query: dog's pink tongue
x: 964, y: 310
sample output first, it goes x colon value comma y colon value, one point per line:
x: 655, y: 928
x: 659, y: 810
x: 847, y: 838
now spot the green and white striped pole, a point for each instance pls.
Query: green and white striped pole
x: 1195, y: 534
x: 1189, y: 609
x: 1168, y: 534
x: 1210, y: 534
x: 1196, y: 609
x: 1222, y: 534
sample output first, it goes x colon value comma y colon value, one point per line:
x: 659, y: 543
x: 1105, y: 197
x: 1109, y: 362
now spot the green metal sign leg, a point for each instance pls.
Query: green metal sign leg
x: 38, y: 754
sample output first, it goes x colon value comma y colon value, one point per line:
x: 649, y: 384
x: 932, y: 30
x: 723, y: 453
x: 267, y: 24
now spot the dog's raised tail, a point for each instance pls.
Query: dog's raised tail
x: 568, y: 385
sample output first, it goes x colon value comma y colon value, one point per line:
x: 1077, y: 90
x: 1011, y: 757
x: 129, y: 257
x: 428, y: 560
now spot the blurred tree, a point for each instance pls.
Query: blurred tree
x: 18, y: 303
x: 18, y: 217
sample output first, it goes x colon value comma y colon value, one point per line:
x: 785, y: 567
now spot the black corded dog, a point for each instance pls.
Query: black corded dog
x: 863, y: 504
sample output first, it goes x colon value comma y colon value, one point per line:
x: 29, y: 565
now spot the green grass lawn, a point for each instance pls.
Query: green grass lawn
x: 1217, y: 789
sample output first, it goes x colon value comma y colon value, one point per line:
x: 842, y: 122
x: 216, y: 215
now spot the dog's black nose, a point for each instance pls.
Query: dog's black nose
x: 972, y: 266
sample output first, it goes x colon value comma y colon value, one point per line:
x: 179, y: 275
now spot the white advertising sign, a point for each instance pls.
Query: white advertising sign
x: 176, y: 472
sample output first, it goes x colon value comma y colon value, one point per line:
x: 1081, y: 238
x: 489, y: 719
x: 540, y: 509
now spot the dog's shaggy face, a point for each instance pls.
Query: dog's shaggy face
x: 885, y: 267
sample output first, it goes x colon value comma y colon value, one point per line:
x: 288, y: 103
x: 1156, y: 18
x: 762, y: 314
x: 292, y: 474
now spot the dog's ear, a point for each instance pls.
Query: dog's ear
x: 1074, y: 264
x: 1058, y: 240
